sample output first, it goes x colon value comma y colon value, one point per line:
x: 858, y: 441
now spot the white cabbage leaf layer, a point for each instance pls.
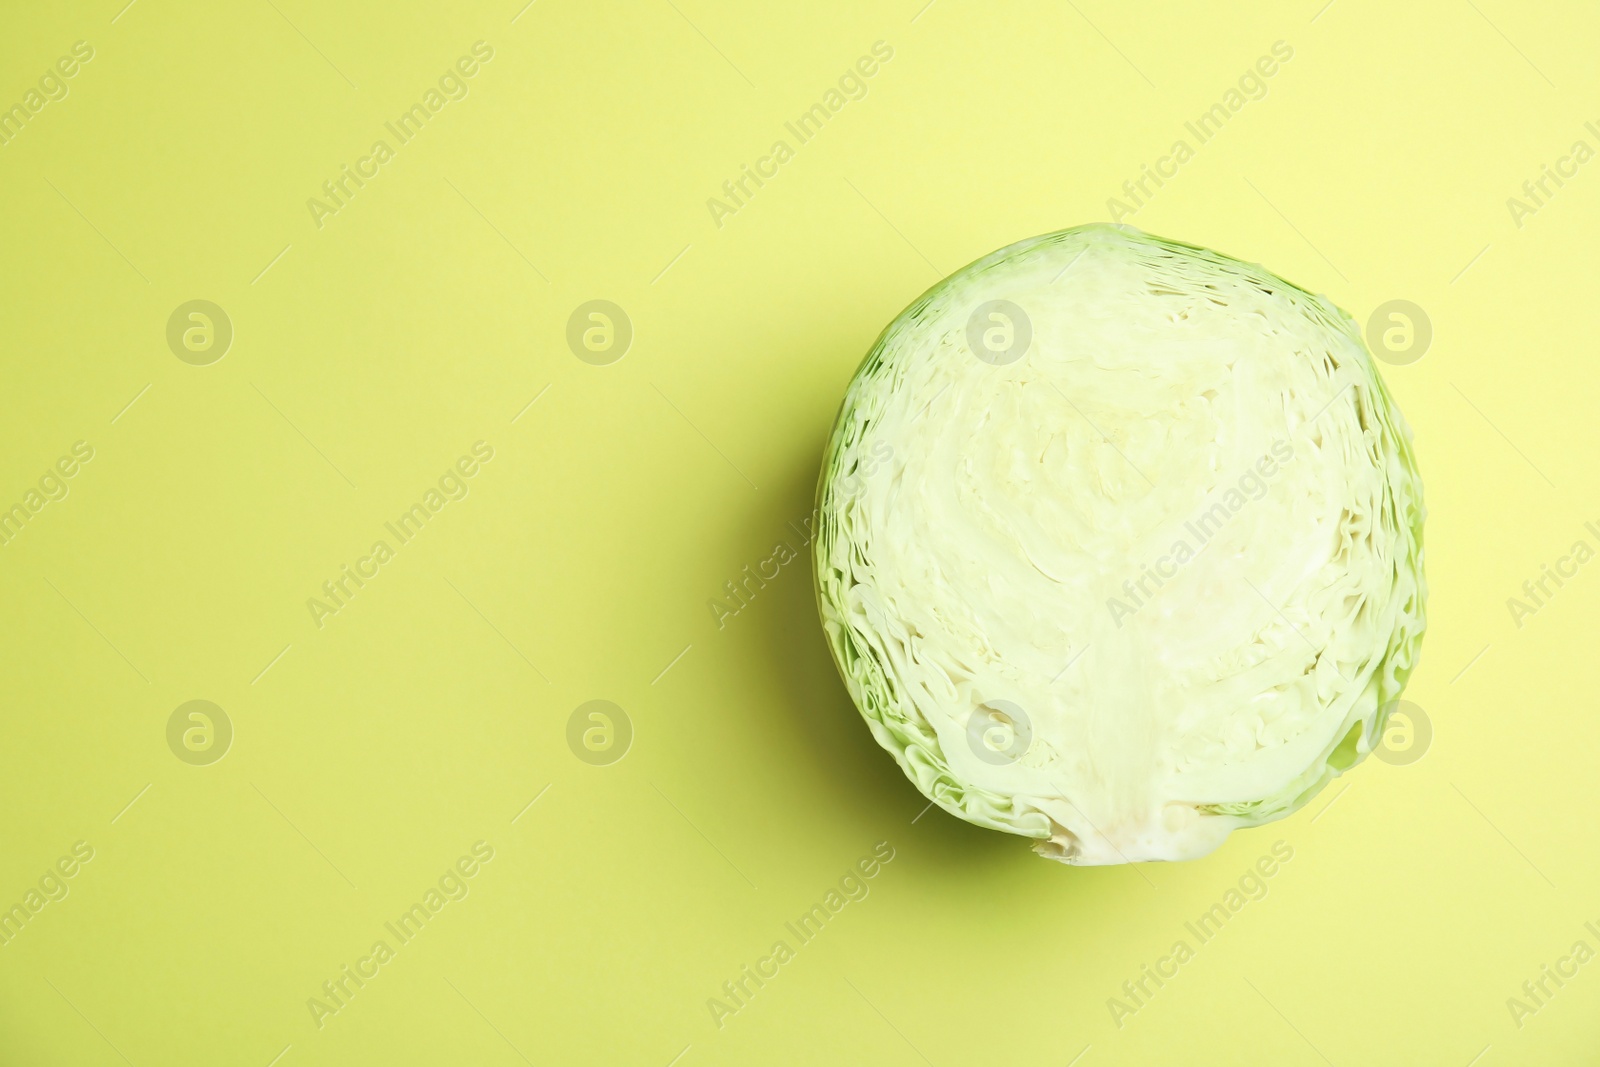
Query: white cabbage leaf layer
x: 1148, y: 570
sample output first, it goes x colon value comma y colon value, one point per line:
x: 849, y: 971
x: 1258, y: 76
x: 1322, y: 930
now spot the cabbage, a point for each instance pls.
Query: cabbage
x: 1119, y: 545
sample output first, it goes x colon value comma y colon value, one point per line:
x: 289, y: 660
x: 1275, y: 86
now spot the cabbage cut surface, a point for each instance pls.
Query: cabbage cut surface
x: 1001, y: 565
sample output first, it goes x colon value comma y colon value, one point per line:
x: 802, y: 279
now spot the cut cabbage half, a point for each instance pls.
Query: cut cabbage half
x: 1120, y: 545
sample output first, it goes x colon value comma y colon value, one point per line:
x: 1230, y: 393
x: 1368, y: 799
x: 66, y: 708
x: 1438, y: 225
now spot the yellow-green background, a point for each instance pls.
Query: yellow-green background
x: 378, y: 748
